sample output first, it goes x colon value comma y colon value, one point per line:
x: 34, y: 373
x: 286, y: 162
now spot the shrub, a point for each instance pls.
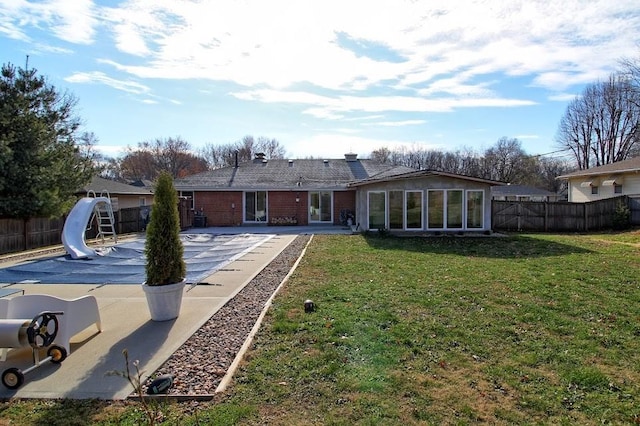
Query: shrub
x: 163, y: 248
x: 621, y: 216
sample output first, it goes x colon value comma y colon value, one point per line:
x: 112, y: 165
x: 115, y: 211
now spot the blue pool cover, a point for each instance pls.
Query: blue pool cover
x: 124, y: 263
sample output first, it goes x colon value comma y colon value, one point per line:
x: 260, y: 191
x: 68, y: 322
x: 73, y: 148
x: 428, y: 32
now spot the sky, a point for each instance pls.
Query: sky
x: 323, y: 77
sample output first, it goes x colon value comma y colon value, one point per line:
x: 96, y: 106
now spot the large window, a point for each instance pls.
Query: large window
x: 377, y: 210
x: 435, y: 204
x: 454, y: 209
x: 475, y: 209
x: 414, y: 209
x: 320, y: 206
x: 255, y: 206
x: 395, y: 209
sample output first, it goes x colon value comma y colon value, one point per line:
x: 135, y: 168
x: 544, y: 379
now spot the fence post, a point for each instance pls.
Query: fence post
x: 584, y: 217
x: 546, y: 216
x: 25, y: 234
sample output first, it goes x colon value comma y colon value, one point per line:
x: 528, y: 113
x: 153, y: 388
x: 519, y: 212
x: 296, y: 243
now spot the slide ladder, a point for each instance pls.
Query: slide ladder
x: 103, y: 212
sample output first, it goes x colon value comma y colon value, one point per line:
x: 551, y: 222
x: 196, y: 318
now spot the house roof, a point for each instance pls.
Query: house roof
x: 422, y: 173
x: 631, y: 165
x: 288, y: 174
x: 506, y: 190
x: 98, y: 185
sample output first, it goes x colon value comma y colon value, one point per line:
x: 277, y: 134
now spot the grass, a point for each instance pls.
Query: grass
x: 530, y: 329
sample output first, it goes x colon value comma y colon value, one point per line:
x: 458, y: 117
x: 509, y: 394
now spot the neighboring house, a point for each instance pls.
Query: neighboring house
x: 122, y: 195
x: 522, y: 193
x: 610, y: 180
x: 307, y: 192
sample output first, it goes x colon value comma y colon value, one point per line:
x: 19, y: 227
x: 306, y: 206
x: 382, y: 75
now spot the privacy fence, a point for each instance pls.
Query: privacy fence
x: 19, y: 235
x: 561, y: 216
x: 27, y: 234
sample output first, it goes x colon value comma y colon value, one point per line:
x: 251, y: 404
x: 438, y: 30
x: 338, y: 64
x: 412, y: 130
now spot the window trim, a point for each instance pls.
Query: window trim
x: 466, y: 211
x: 406, y: 210
x: 386, y: 209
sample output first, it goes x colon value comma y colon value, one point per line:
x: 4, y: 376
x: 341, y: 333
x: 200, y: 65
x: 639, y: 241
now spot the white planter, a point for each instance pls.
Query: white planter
x: 164, y: 300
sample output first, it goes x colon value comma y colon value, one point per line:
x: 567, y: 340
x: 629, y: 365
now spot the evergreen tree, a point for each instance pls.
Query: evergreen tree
x: 41, y: 164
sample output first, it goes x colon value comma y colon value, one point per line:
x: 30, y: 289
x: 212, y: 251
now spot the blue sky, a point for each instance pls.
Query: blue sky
x: 322, y: 77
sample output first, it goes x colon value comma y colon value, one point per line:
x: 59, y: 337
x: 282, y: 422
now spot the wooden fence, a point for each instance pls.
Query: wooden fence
x: 560, y: 216
x: 26, y: 234
x: 18, y: 235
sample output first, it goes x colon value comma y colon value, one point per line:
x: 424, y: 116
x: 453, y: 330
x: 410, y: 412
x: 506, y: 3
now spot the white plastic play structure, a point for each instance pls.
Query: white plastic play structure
x: 81, y: 217
x: 42, y: 321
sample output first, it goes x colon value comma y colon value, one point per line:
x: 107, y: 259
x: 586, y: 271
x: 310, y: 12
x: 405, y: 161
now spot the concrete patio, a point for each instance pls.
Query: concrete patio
x: 126, y: 324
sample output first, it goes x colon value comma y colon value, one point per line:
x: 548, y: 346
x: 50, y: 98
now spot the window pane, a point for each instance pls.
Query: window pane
x: 475, y: 209
x: 395, y: 209
x: 314, y: 206
x: 436, y: 209
x: 454, y: 209
x: 376, y: 210
x: 250, y: 206
x: 325, y: 206
x: 261, y: 206
x: 414, y: 210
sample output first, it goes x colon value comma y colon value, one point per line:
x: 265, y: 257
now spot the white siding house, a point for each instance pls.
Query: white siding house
x: 608, y: 181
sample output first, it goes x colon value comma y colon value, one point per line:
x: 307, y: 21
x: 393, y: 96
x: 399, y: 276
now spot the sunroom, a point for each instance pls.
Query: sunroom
x: 425, y: 201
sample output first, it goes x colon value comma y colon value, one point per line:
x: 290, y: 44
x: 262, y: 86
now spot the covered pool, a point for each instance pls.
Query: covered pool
x: 124, y: 263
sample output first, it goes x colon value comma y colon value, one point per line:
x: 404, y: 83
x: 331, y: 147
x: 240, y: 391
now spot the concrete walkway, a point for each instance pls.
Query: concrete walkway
x: 126, y: 325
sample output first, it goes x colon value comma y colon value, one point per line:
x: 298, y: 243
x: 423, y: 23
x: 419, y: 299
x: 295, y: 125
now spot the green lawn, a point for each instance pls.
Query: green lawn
x: 529, y: 329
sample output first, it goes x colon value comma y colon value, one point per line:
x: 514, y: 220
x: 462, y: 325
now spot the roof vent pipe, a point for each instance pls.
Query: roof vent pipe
x: 236, y: 152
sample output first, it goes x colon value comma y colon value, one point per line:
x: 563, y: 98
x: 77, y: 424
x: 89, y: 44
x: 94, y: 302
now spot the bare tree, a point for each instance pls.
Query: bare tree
x: 507, y: 162
x: 381, y: 155
x: 245, y: 149
x: 602, y: 126
x: 172, y: 155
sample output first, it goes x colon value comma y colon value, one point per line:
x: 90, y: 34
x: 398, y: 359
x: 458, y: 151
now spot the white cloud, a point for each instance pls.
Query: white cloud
x: 100, y: 77
x: 396, y: 123
x: 326, y: 145
x: 71, y: 21
x: 562, y: 97
x: 335, y: 107
x: 444, y: 55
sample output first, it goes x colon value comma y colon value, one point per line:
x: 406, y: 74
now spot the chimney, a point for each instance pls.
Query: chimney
x: 350, y: 157
x: 236, y: 152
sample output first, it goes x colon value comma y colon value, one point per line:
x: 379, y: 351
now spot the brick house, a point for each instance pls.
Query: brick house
x: 315, y: 191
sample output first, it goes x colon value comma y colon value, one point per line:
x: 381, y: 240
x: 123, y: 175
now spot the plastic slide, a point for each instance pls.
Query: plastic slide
x: 77, y: 221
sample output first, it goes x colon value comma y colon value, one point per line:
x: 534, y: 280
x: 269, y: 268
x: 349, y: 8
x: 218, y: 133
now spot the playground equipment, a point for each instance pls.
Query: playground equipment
x: 81, y: 217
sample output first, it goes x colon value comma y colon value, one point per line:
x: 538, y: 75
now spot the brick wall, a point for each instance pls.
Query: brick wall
x: 282, y: 204
x: 225, y: 208
x: 220, y: 208
x: 343, y: 200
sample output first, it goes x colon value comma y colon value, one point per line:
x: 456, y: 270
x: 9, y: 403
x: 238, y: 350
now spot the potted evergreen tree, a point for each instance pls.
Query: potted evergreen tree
x: 165, y: 267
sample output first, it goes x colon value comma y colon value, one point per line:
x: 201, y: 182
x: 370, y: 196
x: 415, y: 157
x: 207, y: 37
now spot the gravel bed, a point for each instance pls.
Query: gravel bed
x: 199, y: 365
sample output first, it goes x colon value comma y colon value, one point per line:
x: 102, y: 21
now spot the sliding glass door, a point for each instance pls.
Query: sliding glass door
x: 255, y: 206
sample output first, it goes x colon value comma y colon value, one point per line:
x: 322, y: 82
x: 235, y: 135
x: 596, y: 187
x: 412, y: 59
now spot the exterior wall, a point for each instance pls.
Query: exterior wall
x: 343, y: 200
x: 120, y: 201
x: 582, y: 194
x: 282, y: 206
x: 423, y: 184
x: 222, y: 208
